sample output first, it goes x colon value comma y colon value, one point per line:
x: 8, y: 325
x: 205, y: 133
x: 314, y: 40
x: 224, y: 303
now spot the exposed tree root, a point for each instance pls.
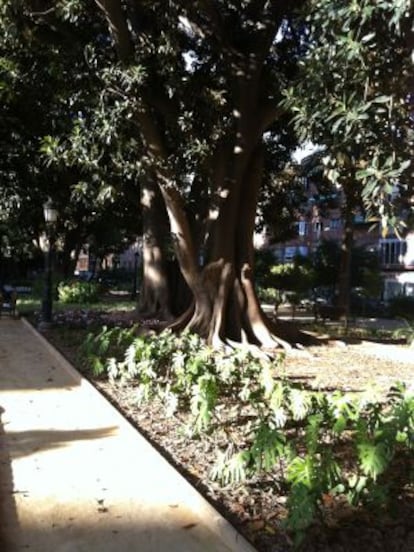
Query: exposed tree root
x: 226, y: 313
x: 255, y: 350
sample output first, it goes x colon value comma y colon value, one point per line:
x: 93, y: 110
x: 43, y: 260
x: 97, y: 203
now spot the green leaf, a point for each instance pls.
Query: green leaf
x: 299, y: 403
x: 267, y: 447
x: 381, y: 99
x: 231, y: 470
x: 302, y: 509
x: 373, y: 458
x: 301, y: 471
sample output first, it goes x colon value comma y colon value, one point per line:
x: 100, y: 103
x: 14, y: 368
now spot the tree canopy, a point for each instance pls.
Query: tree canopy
x: 358, y: 62
x: 46, y: 83
x: 193, y: 103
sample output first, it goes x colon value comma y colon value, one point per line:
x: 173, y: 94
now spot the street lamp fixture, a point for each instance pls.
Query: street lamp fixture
x: 50, y: 215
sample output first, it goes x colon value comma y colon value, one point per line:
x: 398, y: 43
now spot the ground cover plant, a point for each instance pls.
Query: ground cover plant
x: 71, y: 312
x: 322, y: 451
x: 77, y: 291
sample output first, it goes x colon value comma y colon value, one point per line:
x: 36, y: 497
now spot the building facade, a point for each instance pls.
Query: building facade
x: 320, y: 219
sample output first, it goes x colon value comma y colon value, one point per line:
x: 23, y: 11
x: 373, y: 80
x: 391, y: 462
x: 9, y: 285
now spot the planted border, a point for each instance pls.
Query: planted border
x: 321, y: 448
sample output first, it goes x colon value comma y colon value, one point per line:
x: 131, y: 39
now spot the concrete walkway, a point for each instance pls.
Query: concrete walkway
x: 76, y: 476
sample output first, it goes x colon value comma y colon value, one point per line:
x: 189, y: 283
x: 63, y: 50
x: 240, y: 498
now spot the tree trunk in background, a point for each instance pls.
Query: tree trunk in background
x: 67, y: 263
x: 69, y: 256
x: 344, y: 280
x: 154, y: 299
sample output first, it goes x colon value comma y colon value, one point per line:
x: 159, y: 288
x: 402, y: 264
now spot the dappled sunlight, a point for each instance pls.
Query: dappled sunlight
x: 153, y: 276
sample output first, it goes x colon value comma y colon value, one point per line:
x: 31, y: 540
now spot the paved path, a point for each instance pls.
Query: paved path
x: 75, y: 476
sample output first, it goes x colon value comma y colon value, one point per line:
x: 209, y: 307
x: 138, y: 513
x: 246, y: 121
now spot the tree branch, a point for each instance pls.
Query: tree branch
x: 269, y: 114
x: 214, y: 27
x: 174, y: 203
x: 118, y: 27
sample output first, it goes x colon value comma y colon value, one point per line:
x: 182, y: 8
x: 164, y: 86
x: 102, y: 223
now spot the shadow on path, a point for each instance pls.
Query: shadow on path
x: 8, y: 513
x: 24, y: 443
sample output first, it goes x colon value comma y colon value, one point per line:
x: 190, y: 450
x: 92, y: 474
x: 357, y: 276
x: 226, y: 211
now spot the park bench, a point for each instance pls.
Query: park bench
x: 8, y: 303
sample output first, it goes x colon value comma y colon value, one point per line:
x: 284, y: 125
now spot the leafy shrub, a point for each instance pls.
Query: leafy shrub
x: 78, y: 292
x: 407, y: 332
x: 270, y: 295
x: 320, y: 446
x: 308, y: 432
x: 108, y: 342
x: 298, y: 276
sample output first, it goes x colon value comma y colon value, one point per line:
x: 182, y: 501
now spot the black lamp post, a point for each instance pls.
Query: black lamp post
x: 134, y: 285
x: 50, y: 215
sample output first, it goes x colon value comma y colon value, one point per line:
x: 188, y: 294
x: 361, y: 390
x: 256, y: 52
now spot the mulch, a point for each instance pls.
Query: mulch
x: 257, y: 508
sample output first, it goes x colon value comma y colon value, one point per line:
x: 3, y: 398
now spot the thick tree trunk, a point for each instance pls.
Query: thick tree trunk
x: 69, y: 256
x: 225, y: 307
x: 344, y: 280
x: 68, y: 262
x: 154, y: 298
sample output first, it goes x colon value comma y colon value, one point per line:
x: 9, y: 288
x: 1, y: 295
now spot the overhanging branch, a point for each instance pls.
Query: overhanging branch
x: 118, y: 27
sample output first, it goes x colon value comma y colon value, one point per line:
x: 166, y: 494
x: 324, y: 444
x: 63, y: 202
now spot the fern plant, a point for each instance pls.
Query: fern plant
x: 98, y: 347
x: 296, y: 435
x: 373, y: 433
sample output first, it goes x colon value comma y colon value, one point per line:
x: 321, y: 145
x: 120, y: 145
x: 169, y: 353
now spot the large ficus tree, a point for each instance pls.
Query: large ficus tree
x: 197, y: 89
x: 235, y: 60
x: 203, y: 83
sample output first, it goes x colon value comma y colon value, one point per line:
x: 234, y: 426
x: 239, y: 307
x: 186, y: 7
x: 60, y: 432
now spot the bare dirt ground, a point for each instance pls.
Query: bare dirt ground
x: 258, y: 508
x: 353, y: 367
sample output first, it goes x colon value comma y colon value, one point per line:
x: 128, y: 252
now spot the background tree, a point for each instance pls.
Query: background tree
x: 365, y: 272
x: 48, y: 88
x: 352, y: 96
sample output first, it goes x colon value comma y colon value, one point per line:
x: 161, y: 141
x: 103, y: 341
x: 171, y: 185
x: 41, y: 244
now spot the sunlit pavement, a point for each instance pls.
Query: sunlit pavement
x: 75, y: 476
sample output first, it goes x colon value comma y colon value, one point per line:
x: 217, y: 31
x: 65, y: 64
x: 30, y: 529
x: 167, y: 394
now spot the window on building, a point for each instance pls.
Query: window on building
x: 392, y: 289
x: 302, y: 228
x: 392, y: 251
x: 317, y: 227
x: 335, y: 224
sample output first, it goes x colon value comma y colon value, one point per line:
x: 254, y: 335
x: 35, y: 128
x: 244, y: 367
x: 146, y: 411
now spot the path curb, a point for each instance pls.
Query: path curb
x: 217, y: 523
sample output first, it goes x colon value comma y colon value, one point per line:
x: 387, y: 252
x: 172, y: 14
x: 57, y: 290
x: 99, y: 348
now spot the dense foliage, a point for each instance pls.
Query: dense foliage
x: 190, y: 104
x: 47, y: 88
x: 358, y: 62
x: 78, y: 292
x: 323, y: 447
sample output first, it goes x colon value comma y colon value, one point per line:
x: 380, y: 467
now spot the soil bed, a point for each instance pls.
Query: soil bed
x: 258, y: 508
